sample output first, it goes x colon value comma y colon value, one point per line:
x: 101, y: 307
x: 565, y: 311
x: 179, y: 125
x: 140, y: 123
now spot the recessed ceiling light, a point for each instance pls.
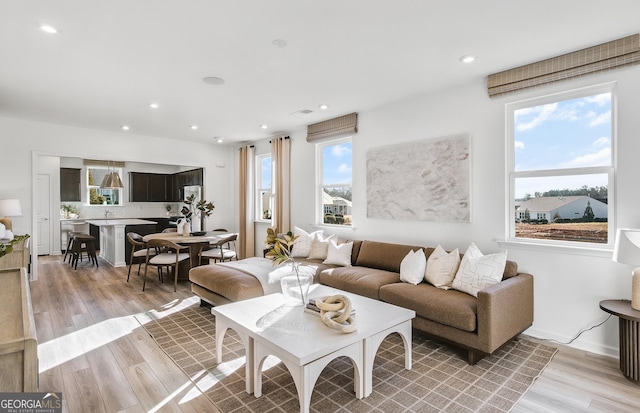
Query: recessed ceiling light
x: 154, y: 105
x: 263, y: 126
x: 219, y: 140
x: 125, y: 127
x: 467, y: 59
x: 194, y: 127
x: 323, y: 107
x: 279, y: 43
x: 212, y: 80
x: 48, y: 29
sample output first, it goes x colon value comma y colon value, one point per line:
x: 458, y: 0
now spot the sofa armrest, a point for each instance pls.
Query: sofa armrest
x: 505, y: 310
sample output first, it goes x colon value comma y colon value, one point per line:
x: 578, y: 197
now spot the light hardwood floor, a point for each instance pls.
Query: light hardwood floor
x: 92, y: 349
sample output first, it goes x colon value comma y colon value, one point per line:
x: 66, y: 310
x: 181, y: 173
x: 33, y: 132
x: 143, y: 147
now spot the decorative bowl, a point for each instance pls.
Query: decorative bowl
x: 198, y: 233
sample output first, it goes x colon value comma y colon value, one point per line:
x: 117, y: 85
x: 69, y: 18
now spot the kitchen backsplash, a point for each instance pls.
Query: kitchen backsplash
x: 130, y: 210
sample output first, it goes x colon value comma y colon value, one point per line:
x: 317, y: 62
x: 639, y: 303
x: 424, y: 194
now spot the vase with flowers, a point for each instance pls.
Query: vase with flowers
x: 295, y: 283
x: 195, y: 210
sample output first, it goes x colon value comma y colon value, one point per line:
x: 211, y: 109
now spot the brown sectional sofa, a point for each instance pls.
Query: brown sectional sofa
x: 480, y: 325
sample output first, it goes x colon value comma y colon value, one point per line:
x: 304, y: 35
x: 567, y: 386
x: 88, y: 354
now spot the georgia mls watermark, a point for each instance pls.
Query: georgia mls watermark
x: 31, y: 402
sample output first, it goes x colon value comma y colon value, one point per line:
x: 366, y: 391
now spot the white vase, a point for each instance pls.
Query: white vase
x: 195, y: 224
x: 295, y: 287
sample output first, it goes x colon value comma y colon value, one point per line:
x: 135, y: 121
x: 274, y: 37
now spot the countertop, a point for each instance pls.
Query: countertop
x: 122, y: 221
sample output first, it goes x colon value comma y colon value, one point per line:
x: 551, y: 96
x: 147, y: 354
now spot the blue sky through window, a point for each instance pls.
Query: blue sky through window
x: 265, y: 165
x: 573, y: 133
x: 337, y: 164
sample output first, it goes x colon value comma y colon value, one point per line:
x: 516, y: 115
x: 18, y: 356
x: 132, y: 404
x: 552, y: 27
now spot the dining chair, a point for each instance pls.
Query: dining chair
x: 139, y: 251
x: 172, y: 258
x: 217, y: 252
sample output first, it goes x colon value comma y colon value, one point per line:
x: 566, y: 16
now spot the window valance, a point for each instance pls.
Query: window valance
x: 341, y: 126
x: 595, y: 59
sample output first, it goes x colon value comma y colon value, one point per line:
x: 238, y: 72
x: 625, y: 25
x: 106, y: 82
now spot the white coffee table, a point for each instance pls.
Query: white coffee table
x: 304, y: 344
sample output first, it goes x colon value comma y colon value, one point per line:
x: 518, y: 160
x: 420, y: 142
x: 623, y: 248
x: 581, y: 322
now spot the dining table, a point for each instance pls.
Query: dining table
x: 194, y: 242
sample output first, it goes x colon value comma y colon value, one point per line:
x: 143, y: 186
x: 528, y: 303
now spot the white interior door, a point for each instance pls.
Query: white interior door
x: 44, y: 215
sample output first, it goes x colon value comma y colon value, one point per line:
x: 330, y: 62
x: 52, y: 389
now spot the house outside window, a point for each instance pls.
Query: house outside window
x: 264, y: 197
x: 98, y: 196
x: 334, y: 179
x: 561, y: 167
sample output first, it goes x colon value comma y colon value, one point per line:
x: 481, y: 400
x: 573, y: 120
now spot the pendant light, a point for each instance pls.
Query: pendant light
x: 111, y: 179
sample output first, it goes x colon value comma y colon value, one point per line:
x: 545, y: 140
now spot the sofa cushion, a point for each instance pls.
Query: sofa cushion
x: 442, y: 267
x: 382, y: 255
x: 478, y: 271
x: 412, y: 267
x: 227, y: 282
x: 449, y: 307
x: 339, y: 254
x: 358, y: 280
x: 302, y: 245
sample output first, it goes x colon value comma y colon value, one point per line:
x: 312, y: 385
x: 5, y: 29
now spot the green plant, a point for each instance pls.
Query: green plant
x: 8, y: 247
x: 193, y: 208
x: 72, y: 209
x: 280, y: 252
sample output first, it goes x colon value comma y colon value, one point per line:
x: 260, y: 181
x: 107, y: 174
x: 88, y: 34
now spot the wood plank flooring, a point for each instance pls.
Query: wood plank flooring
x: 94, y: 351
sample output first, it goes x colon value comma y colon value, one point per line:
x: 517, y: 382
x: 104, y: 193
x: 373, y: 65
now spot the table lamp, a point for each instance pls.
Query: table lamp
x: 9, y: 208
x: 627, y: 251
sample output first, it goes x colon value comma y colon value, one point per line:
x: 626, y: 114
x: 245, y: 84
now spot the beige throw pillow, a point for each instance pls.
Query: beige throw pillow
x: 412, y: 267
x: 320, y: 246
x: 303, y: 243
x: 339, y: 254
x: 478, y: 271
x: 442, y: 267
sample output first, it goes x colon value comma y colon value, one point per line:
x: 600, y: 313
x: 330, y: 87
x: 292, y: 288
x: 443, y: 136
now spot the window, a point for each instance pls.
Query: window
x: 334, y: 182
x: 561, y: 167
x: 97, y: 196
x: 264, y: 198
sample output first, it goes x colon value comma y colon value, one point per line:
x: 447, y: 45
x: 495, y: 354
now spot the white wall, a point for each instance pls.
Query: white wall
x: 568, y: 287
x: 24, y: 142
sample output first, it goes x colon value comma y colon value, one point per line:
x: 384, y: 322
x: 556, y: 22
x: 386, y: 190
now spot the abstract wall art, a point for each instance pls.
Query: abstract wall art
x: 426, y: 180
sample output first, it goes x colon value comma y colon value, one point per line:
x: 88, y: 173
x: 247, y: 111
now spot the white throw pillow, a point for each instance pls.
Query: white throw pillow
x: 442, y: 267
x: 478, y: 271
x: 2, y: 230
x: 412, y: 267
x: 303, y: 243
x: 339, y: 254
x: 320, y: 246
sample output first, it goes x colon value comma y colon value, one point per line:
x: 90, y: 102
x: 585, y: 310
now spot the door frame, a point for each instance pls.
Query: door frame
x: 50, y: 220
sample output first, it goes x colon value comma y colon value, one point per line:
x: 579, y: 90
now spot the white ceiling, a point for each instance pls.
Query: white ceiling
x: 111, y: 59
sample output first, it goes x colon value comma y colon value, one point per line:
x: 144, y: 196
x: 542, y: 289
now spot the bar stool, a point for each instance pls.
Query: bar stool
x: 83, y: 243
x: 67, y: 252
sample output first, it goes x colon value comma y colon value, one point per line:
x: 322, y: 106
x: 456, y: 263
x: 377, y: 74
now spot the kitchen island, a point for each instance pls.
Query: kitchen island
x: 113, y: 238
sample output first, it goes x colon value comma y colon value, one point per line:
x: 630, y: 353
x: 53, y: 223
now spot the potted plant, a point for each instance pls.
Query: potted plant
x: 194, y: 210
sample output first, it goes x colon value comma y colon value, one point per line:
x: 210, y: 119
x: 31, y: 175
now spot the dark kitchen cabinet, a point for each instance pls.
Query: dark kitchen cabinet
x: 70, y: 185
x: 138, y: 187
x: 151, y: 187
x: 158, y: 187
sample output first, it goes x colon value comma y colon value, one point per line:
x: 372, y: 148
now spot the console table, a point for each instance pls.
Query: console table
x: 629, y: 321
x: 17, y: 258
x: 18, y: 342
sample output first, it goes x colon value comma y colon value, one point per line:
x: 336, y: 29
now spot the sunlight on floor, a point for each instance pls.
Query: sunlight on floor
x: 65, y: 348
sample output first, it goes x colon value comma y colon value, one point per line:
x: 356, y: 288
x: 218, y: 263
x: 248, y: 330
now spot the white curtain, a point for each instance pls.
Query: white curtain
x: 246, y: 236
x: 281, y: 157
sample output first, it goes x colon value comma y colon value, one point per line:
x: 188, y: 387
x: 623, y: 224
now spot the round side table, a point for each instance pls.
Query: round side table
x: 629, y: 322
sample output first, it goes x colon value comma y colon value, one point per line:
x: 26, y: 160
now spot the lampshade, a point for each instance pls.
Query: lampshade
x: 10, y: 208
x: 627, y: 247
x: 111, y: 180
x: 627, y: 251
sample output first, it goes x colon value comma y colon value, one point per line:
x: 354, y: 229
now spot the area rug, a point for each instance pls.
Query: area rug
x: 440, y: 380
